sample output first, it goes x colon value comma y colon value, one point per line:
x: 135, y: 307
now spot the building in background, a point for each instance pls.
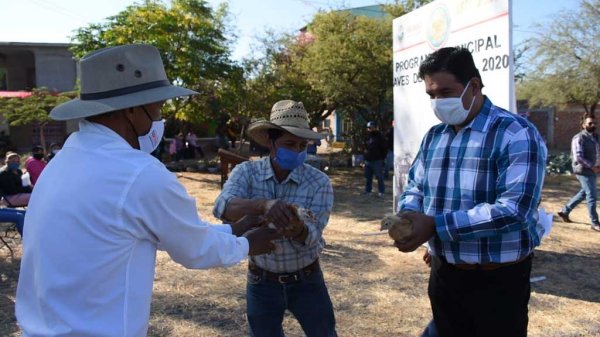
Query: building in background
x: 24, y: 66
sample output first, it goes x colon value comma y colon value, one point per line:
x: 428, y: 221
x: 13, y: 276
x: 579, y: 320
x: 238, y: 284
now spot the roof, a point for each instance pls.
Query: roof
x: 34, y: 44
x: 19, y: 94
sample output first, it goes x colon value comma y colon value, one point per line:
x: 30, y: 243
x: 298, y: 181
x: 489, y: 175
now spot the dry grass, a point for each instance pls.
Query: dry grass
x: 376, y: 290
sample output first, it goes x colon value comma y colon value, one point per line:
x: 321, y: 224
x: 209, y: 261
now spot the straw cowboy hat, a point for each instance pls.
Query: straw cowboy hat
x: 116, y: 78
x: 286, y: 115
x: 10, y: 154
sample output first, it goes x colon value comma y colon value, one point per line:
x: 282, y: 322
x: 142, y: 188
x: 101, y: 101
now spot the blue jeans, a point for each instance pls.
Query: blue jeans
x: 307, y: 299
x: 588, y: 192
x: 374, y: 167
x: 389, y: 164
x: 15, y: 216
x: 430, y: 330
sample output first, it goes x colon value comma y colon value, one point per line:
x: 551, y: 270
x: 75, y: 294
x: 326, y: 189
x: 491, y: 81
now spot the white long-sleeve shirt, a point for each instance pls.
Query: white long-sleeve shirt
x: 99, y: 211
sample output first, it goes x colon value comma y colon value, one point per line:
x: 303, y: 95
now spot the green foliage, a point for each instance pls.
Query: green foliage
x: 34, y: 109
x: 559, y: 164
x: 350, y: 60
x: 566, y: 58
x: 350, y: 64
x: 195, y: 52
x: 275, y: 75
x: 341, y: 62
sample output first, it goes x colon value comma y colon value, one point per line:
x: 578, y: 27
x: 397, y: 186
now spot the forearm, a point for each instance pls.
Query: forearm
x: 236, y: 208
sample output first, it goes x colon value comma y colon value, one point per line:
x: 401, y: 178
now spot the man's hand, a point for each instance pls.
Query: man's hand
x: 260, y: 240
x: 596, y: 169
x: 246, y: 223
x: 278, y: 212
x: 427, y: 257
x: 423, y: 230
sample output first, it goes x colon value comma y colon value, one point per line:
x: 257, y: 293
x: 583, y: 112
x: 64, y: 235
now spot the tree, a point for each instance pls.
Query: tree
x: 34, y: 109
x: 567, y: 60
x: 275, y: 75
x: 349, y: 63
x: 339, y: 61
x: 189, y: 35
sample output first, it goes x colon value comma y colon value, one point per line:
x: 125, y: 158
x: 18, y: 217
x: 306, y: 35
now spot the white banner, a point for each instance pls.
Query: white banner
x: 483, y: 27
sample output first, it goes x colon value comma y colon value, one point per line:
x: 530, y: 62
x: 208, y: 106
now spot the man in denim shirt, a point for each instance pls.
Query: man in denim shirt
x: 585, y: 149
x: 289, y: 278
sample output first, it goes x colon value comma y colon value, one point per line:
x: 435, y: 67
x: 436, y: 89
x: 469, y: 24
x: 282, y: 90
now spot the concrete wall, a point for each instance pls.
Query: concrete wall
x: 18, y: 63
x: 55, y: 69
x: 31, y: 65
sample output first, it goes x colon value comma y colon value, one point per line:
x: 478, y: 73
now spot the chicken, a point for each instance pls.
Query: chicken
x: 301, y: 216
x: 398, y: 228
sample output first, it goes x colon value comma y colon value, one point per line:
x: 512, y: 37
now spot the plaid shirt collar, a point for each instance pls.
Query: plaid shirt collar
x: 481, y: 122
x: 266, y: 172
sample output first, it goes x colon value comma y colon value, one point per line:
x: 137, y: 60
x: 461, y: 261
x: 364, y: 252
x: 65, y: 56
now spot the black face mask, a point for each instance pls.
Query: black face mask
x: 38, y: 156
x: 590, y: 129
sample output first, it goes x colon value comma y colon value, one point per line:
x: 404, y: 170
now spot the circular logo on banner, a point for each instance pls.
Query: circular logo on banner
x: 400, y: 34
x: 438, y: 29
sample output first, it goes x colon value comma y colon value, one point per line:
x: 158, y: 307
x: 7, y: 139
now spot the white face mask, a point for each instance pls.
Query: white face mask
x: 149, y: 142
x: 450, y: 110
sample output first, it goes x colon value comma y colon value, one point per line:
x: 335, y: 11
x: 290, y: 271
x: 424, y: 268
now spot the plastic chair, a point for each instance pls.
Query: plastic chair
x: 10, y: 213
x: 15, y: 216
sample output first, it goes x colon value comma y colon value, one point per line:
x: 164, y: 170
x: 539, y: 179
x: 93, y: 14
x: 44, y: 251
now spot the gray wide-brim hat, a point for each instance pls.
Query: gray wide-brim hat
x: 117, y: 78
x: 286, y: 115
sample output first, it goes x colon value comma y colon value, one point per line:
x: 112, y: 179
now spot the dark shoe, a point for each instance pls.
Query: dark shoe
x: 564, y: 217
x: 596, y: 227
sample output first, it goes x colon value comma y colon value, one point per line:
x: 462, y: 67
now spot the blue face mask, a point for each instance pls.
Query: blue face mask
x: 13, y: 166
x: 288, y: 159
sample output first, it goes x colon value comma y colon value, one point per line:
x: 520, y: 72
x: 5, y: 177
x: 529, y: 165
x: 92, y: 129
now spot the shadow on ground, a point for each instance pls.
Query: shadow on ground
x: 203, y: 312
x: 9, y: 275
x: 348, y: 185
x: 567, y: 275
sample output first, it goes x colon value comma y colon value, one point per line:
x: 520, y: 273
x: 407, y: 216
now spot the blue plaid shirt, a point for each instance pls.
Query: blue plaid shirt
x: 482, y: 185
x: 305, y: 186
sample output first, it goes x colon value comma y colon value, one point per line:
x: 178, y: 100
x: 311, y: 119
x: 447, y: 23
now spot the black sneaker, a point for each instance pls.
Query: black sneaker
x: 596, y: 227
x: 564, y: 217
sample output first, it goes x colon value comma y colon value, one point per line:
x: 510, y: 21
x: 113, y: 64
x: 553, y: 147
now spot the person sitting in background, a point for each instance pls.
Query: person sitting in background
x: 54, y: 149
x: 192, y: 145
x: 11, y: 185
x: 35, y: 164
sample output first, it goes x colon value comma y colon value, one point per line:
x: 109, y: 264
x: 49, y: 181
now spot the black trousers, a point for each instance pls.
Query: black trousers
x: 480, y: 303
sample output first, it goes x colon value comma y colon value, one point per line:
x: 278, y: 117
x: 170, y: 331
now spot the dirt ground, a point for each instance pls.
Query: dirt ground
x: 376, y: 290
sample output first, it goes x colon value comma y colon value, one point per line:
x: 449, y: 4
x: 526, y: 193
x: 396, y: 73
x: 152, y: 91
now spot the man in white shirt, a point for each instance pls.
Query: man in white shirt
x: 104, y: 205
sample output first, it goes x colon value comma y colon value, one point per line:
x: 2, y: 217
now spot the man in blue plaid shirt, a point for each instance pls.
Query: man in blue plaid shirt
x: 473, y: 192
x: 289, y: 278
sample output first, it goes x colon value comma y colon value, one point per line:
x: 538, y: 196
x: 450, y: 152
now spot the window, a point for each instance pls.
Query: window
x: 3, y: 84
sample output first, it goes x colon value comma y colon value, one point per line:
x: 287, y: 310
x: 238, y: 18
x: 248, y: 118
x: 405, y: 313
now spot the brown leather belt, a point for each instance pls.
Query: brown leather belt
x: 285, y: 277
x: 485, y: 267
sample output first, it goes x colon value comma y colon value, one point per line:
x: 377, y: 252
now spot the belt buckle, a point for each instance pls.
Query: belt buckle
x: 283, y: 278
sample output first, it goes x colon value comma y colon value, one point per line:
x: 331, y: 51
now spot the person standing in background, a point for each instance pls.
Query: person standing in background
x: 389, y: 158
x: 375, y: 153
x: 585, y: 149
